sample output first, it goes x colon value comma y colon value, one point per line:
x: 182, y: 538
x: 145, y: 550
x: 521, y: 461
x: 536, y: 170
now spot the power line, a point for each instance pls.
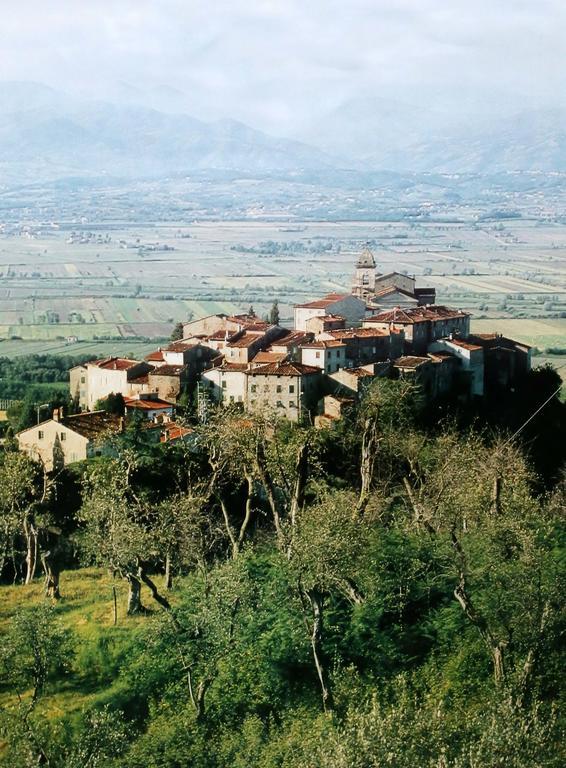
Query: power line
x: 531, y: 417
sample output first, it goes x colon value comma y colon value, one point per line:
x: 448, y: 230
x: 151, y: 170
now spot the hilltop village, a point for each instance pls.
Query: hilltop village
x: 385, y: 327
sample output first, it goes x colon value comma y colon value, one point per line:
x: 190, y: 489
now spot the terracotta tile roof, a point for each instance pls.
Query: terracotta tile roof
x: 394, y: 289
x: 94, y: 424
x: 169, y: 370
x: 270, y: 357
x: 323, y: 344
x: 410, y: 361
x: 441, y: 357
x: 155, y: 357
x: 284, y: 369
x: 226, y: 366
x: 387, y: 275
x: 147, y: 405
x: 500, y: 341
x: 174, y: 432
x: 115, y: 363
x: 352, y: 333
x: 416, y: 315
x: 292, y: 338
x: 180, y: 346
x: 326, y: 301
x: 246, y: 340
x: 462, y: 343
x: 359, y: 373
x: 140, y: 379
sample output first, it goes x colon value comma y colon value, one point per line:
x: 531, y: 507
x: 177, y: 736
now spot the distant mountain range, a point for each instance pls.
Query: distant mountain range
x: 45, y: 134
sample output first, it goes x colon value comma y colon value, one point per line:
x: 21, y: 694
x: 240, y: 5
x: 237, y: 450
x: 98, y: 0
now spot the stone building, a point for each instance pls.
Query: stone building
x: 290, y: 390
x: 471, y: 357
x: 71, y: 438
x: 351, y: 308
x: 326, y: 354
x: 99, y: 378
x: 422, y: 325
x: 169, y: 381
x: 368, y: 345
x: 382, y: 291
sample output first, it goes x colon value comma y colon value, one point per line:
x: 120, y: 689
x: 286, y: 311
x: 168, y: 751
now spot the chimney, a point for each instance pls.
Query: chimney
x: 61, y: 413
x: 56, y: 414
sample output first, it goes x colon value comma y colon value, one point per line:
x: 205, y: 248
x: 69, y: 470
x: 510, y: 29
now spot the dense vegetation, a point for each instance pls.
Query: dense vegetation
x: 383, y: 593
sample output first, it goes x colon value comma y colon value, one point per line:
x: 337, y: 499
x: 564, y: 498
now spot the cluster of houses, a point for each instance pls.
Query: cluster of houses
x: 385, y: 327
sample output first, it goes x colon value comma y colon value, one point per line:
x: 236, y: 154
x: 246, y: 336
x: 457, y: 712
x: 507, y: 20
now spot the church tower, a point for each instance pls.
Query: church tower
x: 364, y: 278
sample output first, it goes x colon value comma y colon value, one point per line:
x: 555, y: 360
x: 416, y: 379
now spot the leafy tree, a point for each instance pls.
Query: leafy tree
x: 177, y: 332
x: 24, y: 493
x: 274, y: 313
x: 118, y: 527
x: 113, y: 403
x: 36, y: 648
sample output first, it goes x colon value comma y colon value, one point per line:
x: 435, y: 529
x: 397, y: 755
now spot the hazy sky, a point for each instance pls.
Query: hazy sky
x: 282, y: 64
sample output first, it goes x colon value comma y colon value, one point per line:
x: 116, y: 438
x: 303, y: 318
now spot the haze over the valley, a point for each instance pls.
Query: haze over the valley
x: 136, y: 89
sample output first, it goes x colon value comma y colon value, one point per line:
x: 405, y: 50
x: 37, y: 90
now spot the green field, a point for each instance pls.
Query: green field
x: 126, y: 348
x: 135, y: 280
x: 537, y: 333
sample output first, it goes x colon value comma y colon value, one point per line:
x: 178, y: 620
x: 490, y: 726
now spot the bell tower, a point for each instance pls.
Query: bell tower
x: 364, y: 278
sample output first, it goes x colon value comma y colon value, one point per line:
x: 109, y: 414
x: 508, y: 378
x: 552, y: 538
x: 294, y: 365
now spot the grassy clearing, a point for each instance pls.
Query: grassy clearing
x: 87, y: 609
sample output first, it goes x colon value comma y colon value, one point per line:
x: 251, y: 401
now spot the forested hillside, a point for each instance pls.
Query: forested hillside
x: 387, y: 592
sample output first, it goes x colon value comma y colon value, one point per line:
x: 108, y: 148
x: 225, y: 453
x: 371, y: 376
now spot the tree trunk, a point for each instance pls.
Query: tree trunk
x: 51, y: 569
x: 134, y: 595
x: 496, y: 495
x: 142, y: 576
x: 316, y: 600
x: 532, y: 658
x: 198, y: 699
x: 496, y: 648
x: 168, y: 575
x: 31, y: 551
x: 367, y: 463
x: 267, y: 482
x: 301, y: 475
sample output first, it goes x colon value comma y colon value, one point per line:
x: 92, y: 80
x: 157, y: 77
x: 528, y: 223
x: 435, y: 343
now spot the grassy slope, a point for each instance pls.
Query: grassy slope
x: 87, y: 609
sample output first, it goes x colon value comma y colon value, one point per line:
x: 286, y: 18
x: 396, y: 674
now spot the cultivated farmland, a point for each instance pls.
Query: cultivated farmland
x: 108, y: 282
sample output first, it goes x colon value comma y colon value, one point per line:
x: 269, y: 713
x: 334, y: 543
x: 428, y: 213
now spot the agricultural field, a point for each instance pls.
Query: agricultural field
x: 104, y: 283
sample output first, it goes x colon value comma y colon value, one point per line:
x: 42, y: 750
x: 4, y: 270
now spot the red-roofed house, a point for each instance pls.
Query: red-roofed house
x: 289, y: 390
x: 422, y: 325
x: 112, y: 374
x: 149, y: 405
x: 327, y: 354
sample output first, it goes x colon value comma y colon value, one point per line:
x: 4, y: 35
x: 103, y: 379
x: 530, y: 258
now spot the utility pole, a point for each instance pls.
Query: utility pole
x: 202, y: 403
x: 39, y: 407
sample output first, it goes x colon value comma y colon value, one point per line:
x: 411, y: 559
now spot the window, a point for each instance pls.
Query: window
x: 223, y: 385
x: 292, y: 404
x: 231, y: 398
x: 253, y: 388
x: 266, y: 388
x: 83, y: 380
x: 317, y: 355
x: 40, y: 435
x: 63, y: 436
x: 291, y: 388
x: 280, y: 404
x: 279, y: 388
